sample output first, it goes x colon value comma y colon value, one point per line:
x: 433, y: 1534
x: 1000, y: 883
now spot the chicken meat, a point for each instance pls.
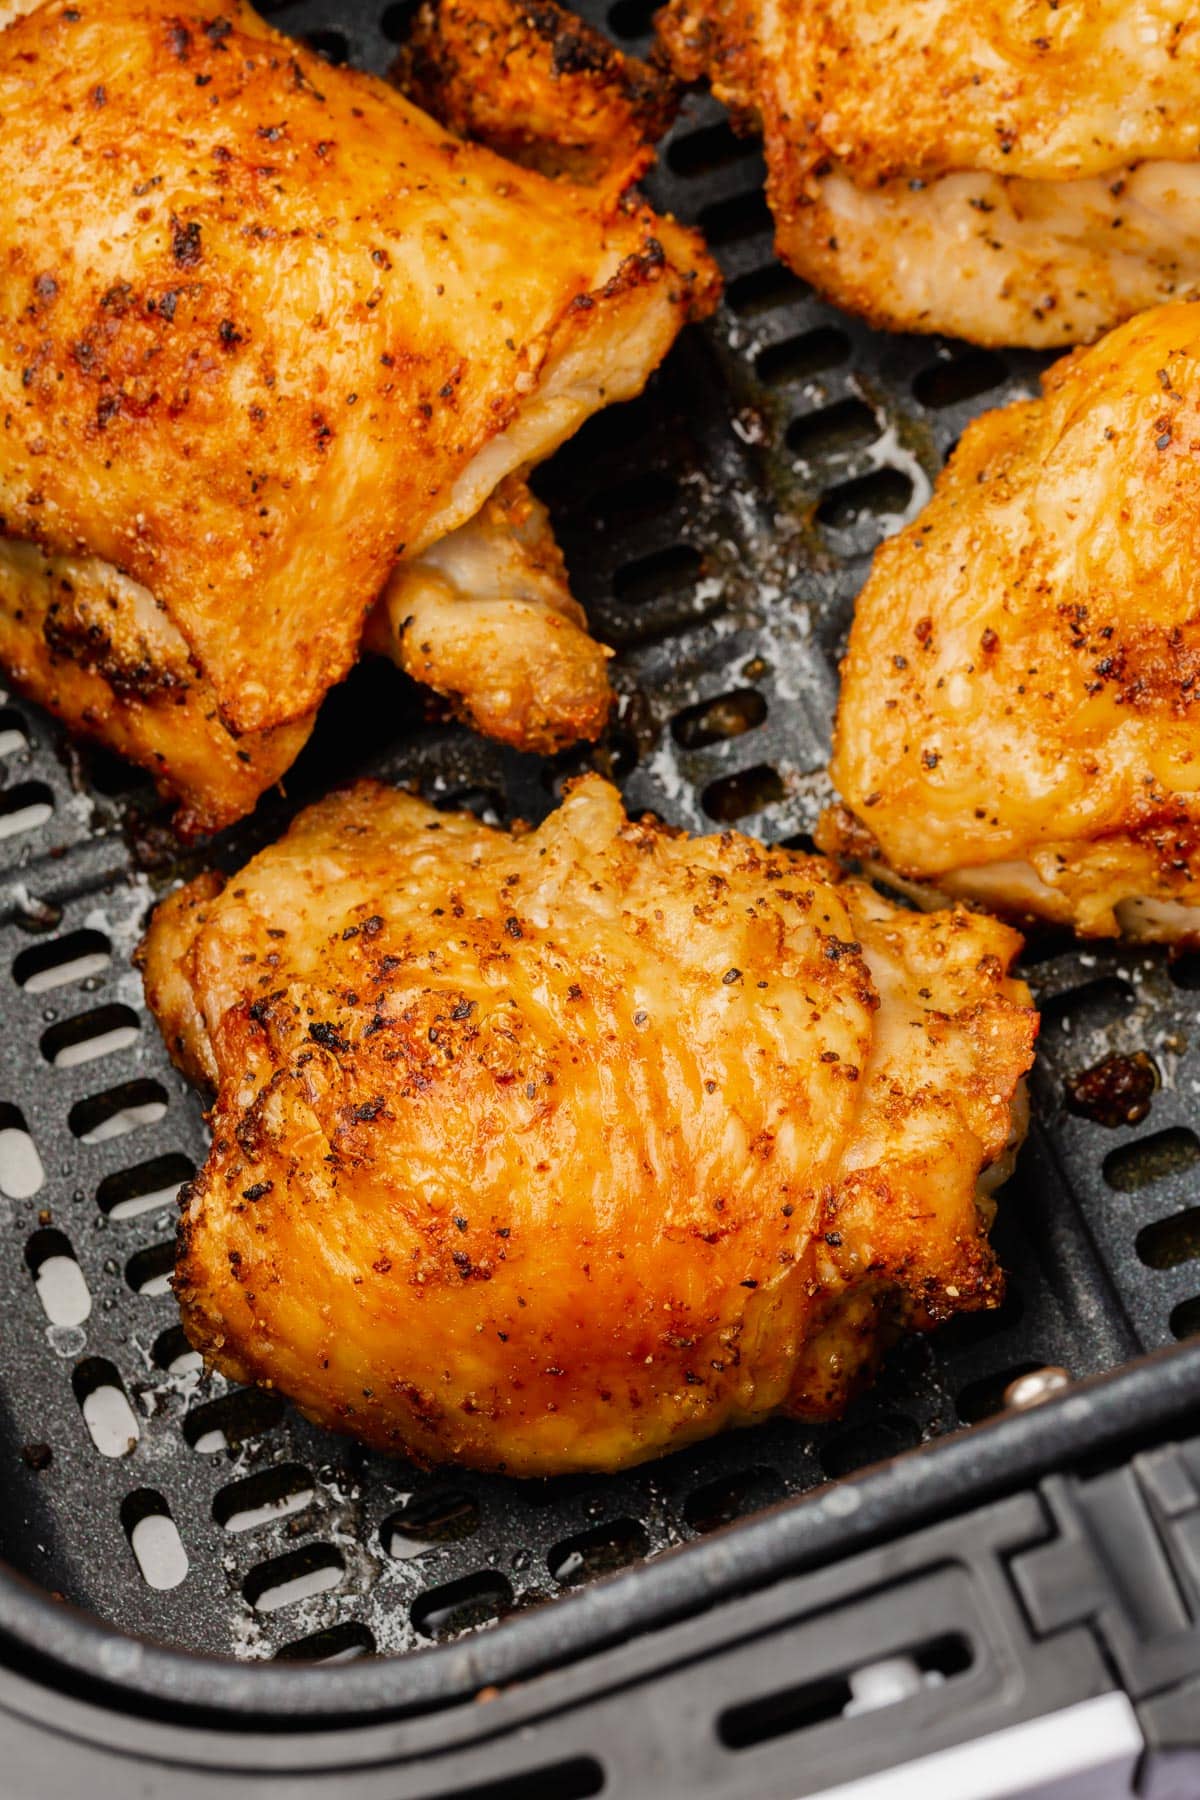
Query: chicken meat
x: 1011, y: 171
x: 265, y: 329
x: 554, y: 1151
x: 1020, y: 709
x: 486, y: 618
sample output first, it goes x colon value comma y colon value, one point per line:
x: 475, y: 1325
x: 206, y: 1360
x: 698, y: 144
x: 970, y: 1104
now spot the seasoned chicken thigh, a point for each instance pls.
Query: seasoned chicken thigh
x: 1020, y: 710
x: 1013, y: 172
x: 559, y: 1150
x: 266, y: 328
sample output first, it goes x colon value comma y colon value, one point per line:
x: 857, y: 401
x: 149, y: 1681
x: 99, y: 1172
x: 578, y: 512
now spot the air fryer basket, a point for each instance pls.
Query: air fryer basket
x: 717, y: 530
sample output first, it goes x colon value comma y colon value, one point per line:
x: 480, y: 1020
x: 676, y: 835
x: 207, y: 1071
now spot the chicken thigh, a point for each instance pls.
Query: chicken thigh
x: 266, y: 328
x: 557, y: 1151
x: 1012, y: 171
x: 1020, y: 709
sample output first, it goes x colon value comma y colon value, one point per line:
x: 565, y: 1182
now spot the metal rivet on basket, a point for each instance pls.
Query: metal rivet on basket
x: 1035, y: 1386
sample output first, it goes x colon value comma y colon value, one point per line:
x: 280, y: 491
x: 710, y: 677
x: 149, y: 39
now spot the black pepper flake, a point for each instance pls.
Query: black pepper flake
x: 749, y: 1283
x: 185, y: 242
x: 463, y: 1010
x: 461, y: 1222
x: 257, y: 1189
x: 229, y: 334
x: 513, y: 927
x: 369, y: 1110
x: 327, y: 1036
x: 373, y: 926
x: 730, y: 976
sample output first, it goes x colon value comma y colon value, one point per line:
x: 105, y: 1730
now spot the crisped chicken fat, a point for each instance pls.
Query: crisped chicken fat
x: 1019, y: 716
x: 264, y: 329
x: 532, y: 80
x: 486, y: 618
x: 1011, y: 171
x: 557, y: 1151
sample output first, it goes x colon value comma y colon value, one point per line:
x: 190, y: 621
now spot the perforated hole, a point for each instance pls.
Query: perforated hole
x: 299, y: 1575
x: 833, y: 430
x: 21, y: 1171
x: 332, y: 46
x: 144, y: 1187
x: 1185, y: 1318
x: 154, y: 1539
x: 667, y: 571
x: 733, y: 221
x: 264, y: 1498
x: 90, y: 1036
x: 110, y: 1419
x: 149, y: 1271
x: 1151, y: 1159
x: 1185, y: 970
x: 600, y: 1550
x: 881, y: 495
x: 337, y: 1643
x: 12, y: 732
x: 730, y: 1497
x: 172, y: 1352
x: 232, y: 1419
x: 984, y: 1398
x: 429, y: 1518
x: 24, y: 807
x: 799, y: 358
x: 765, y: 289
x: 461, y: 1605
x: 708, y: 149
x: 1089, y: 1006
x: 396, y: 20
x: 749, y: 791
x: 857, y: 1446
x: 77, y: 956
x: 627, y: 502
x: 631, y: 18
x: 962, y: 377
x: 1171, y: 1241
x: 712, y: 721
x: 117, y: 1111
x: 61, y: 1285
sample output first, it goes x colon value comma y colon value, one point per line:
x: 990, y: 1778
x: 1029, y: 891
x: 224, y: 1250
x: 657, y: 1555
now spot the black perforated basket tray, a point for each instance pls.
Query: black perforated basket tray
x: 717, y: 530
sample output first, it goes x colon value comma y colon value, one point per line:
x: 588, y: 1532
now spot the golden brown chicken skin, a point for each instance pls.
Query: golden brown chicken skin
x: 532, y: 80
x: 1013, y: 172
x: 265, y: 328
x: 559, y: 1150
x: 93, y: 648
x: 1020, y: 710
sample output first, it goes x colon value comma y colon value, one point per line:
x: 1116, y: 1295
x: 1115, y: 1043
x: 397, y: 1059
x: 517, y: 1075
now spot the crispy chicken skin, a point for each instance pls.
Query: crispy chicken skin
x: 265, y: 327
x: 1018, y: 718
x: 92, y: 647
x: 537, y: 84
x: 1013, y: 172
x: 556, y: 1151
x: 485, y: 617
